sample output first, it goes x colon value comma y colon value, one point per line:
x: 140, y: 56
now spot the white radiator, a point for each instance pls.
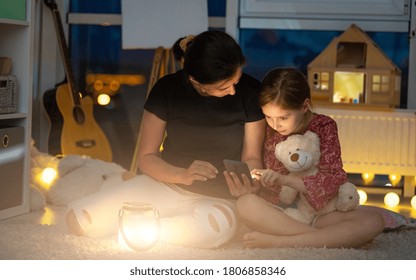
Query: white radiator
x: 379, y: 142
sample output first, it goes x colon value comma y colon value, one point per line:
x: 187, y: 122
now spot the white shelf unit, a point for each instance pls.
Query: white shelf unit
x: 17, y: 42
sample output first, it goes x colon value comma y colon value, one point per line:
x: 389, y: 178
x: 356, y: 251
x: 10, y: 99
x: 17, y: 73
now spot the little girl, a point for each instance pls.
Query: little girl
x: 286, y: 103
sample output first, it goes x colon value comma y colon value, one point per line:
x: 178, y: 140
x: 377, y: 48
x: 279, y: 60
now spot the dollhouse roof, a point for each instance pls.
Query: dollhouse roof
x: 354, y: 45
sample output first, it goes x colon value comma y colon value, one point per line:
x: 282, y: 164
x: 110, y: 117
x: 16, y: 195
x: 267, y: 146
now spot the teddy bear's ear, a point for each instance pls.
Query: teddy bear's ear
x: 69, y: 163
x: 278, y: 150
x: 313, y: 145
x: 312, y: 136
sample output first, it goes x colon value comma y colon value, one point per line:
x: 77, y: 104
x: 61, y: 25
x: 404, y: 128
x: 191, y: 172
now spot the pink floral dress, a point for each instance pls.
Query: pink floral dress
x: 323, y: 186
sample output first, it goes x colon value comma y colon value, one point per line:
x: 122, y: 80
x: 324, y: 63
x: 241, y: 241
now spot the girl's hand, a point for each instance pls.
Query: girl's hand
x: 271, y: 178
x: 198, y: 171
x: 240, y: 184
x: 256, y: 173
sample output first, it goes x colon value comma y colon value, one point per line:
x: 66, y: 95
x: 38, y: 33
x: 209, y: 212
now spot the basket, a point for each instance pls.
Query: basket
x: 8, y: 94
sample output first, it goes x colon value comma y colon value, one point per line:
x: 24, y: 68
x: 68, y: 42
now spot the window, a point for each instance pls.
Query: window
x: 321, y: 81
x: 380, y: 83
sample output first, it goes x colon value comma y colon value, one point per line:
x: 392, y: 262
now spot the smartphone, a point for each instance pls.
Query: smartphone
x: 238, y: 167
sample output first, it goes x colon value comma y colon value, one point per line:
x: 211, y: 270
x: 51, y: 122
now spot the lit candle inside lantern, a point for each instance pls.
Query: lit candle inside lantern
x: 139, y: 225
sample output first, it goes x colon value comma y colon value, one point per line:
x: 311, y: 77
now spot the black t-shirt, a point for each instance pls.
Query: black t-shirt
x: 203, y: 128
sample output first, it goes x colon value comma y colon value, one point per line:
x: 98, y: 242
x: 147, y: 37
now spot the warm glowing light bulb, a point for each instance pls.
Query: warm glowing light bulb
x: 413, y: 202
x: 114, y: 85
x: 103, y: 99
x: 48, y: 175
x: 98, y: 85
x: 139, y: 226
x: 367, y: 177
x: 394, y: 179
x: 391, y: 199
x: 363, y: 196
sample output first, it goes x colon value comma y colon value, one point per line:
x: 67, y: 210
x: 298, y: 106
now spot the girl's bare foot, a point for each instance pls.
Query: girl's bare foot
x: 257, y: 239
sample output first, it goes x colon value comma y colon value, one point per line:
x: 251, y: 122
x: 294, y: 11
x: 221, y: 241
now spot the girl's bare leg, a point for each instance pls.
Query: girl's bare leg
x: 260, y: 215
x: 334, y: 230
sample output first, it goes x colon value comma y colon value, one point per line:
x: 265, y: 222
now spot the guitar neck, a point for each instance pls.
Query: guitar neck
x: 64, y: 52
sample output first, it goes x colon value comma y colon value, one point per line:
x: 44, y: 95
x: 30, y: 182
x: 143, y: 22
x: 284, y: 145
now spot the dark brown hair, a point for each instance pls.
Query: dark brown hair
x: 210, y: 57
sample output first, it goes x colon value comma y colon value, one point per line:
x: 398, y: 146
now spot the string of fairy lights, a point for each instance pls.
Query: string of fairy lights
x: 391, y: 198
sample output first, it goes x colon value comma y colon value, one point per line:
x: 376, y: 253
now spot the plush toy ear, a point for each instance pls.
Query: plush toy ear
x: 278, y: 150
x: 69, y: 163
x: 312, y: 136
x: 313, y: 141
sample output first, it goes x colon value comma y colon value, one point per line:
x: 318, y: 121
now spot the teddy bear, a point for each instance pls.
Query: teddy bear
x: 61, y: 180
x: 300, y: 155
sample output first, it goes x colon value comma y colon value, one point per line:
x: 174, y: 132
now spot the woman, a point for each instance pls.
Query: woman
x: 286, y: 103
x: 209, y: 112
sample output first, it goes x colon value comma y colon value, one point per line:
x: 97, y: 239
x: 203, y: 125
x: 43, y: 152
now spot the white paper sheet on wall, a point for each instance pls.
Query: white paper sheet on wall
x: 148, y: 24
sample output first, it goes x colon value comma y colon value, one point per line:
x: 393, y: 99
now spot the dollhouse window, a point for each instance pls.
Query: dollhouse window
x: 321, y: 80
x: 324, y: 81
x: 380, y: 83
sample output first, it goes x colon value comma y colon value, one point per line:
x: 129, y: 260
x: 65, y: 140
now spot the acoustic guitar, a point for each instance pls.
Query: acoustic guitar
x: 79, y: 134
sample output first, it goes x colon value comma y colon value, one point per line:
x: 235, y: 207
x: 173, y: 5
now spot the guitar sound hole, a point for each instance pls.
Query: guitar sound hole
x: 79, y: 115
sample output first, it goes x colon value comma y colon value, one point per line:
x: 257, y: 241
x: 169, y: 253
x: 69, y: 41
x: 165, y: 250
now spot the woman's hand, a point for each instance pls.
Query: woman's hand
x: 199, y: 170
x: 241, y: 184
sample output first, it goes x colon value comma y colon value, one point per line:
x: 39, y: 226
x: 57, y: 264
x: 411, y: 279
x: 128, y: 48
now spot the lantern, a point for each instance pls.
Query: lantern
x: 139, y: 225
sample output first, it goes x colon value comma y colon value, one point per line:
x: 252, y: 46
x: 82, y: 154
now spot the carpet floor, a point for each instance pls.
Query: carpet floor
x: 41, y: 235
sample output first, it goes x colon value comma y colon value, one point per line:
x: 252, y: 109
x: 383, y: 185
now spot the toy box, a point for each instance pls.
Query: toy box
x: 11, y: 171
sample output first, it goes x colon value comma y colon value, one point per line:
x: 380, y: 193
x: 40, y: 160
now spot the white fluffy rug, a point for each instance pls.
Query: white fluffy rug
x: 23, y: 238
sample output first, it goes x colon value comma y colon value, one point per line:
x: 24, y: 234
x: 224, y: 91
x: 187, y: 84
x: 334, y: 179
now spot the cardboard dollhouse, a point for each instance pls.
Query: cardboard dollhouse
x: 352, y: 69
